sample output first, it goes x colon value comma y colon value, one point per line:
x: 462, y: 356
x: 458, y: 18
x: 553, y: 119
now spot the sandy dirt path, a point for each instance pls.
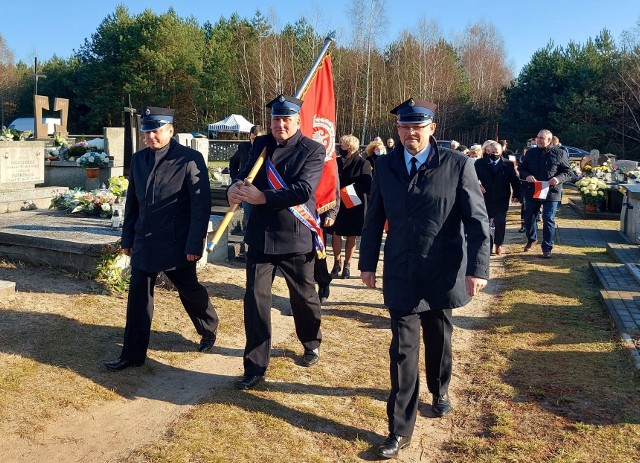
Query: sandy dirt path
x: 110, y: 431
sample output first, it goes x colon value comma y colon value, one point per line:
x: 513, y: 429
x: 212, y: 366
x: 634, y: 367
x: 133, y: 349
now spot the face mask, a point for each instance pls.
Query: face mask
x: 377, y: 153
x: 494, y: 157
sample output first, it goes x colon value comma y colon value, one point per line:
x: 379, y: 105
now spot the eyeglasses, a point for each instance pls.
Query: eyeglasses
x: 414, y: 128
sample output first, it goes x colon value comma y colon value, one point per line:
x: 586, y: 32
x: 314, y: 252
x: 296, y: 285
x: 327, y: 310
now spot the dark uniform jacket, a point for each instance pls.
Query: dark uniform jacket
x: 167, y: 209
x: 438, y: 230
x: 239, y: 158
x: 498, y: 184
x: 272, y: 228
x: 543, y: 165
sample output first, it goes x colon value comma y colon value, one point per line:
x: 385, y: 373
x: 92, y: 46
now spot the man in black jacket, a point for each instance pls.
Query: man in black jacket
x: 281, y: 234
x: 436, y: 257
x: 543, y: 163
x: 237, y: 163
x: 165, y: 223
x: 498, y: 178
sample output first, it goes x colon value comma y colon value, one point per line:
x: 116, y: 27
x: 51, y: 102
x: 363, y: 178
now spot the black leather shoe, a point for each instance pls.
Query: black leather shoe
x: 120, y: 364
x: 546, y: 254
x: 346, y: 273
x: 441, y: 405
x: 522, y: 229
x: 392, y: 445
x: 248, y: 381
x: 310, y: 357
x: 323, y: 292
x: 335, y: 271
x: 206, y: 344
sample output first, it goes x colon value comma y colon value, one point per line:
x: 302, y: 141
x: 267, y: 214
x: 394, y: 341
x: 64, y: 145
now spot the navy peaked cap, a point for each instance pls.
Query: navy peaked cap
x: 284, y: 105
x: 414, y: 111
x: 154, y: 118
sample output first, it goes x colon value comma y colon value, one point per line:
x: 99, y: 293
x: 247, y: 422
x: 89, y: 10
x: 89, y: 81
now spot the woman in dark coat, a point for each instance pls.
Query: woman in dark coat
x: 356, y: 171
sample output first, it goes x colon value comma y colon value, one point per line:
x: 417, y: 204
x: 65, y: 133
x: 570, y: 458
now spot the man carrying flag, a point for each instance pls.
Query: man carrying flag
x: 282, y: 233
x: 543, y: 166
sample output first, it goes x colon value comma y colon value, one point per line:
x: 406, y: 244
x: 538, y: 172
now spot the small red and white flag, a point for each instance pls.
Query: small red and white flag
x: 540, y: 189
x: 349, y: 197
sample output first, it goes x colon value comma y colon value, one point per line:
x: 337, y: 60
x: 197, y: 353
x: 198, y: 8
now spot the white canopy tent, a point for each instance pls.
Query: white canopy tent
x: 233, y: 123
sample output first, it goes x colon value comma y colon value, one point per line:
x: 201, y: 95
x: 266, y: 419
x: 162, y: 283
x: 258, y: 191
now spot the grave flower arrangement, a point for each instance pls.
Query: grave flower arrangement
x: 591, y: 190
x: 96, y: 202
x: 13, y: 135
x: 93, y: 159
x: 118, y: 186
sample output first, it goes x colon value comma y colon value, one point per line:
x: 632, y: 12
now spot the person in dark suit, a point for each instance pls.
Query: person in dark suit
x: 498, y: 178
x: 436, y: 258
x: 165, y: 223
x: 320, y: 270
x: 236, y: 164
x: 283, y: 234
x: 543, y: 163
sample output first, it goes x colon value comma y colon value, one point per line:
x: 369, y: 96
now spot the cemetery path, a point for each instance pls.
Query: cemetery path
x: 111, y: 431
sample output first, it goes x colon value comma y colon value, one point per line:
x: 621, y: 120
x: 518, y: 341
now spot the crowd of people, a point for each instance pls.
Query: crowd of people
x: 440, y: 212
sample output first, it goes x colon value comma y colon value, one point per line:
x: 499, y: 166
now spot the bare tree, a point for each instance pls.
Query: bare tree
x: 8, y: 81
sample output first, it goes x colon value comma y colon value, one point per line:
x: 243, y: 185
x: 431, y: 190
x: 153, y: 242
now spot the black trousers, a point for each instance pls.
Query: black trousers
x: 500, y: 227
x: 320, y: 270
x: 402, y: 405
x: 194, y: 298
x: 297, y: 270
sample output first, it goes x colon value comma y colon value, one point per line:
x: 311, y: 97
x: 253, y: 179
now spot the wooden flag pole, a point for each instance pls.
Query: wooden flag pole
x: 263, y: 155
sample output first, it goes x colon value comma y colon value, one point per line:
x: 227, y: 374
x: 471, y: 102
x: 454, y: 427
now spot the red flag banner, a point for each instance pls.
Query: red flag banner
x: 318, y: 121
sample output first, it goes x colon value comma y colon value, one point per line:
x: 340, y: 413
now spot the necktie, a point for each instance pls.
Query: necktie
x: 414, y: 167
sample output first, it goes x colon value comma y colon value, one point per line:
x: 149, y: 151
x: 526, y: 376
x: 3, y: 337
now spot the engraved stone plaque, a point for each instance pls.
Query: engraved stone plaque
x: 21, y: 164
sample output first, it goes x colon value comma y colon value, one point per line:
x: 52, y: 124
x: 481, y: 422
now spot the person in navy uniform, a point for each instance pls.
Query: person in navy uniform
x: 277, y: 238
x: 436, y: 258
x: 165, y: 223
x: 498, y: 178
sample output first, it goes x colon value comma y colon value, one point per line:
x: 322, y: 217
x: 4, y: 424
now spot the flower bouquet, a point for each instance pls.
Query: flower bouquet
x: 13, y: 135
x: 93, y: 159
x: 96, y: 202
x: 118, y: 186
x: 591, y: 190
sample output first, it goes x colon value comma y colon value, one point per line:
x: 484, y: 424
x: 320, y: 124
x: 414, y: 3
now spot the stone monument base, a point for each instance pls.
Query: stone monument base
x: 61, y: 240
x: 28, y: 198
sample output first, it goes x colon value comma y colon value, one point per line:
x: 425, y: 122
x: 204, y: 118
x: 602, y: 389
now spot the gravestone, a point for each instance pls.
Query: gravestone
x: 21, y: 169
x: 21, y: 165
x: 201, y: 145
x: 114, y: 145
x: 627, y: 165
x: 221, y: 251
x: 630, y: 214
x: 184, y: 139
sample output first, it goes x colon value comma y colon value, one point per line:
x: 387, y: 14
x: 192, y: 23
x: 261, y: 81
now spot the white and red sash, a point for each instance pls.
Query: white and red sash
x: 300, y: 211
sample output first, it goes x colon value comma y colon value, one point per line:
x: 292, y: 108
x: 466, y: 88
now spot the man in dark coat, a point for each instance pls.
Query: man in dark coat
x: 237, y: 163
x: 280, y: 235
x: 436, y: 257
x: 498, y: 178
x: 543, y: 163
x: 165, y: 223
